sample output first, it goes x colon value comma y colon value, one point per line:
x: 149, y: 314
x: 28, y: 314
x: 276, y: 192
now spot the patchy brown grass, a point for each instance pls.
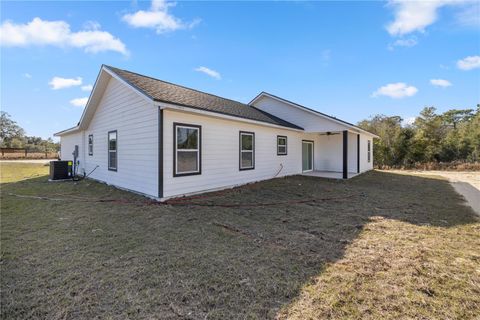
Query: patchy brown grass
x: 394, y: 270
x: 377, y: 246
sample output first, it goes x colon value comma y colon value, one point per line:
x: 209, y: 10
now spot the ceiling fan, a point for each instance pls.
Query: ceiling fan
x: 328, y: 133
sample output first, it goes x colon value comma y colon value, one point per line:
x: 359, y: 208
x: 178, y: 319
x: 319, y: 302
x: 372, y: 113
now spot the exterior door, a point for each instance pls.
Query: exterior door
x: 307, y: 156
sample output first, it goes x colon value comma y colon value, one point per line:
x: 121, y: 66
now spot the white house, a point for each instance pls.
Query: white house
x: 164, y: 140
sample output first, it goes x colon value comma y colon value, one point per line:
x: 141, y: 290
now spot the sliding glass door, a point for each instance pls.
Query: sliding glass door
x: 307, y: 156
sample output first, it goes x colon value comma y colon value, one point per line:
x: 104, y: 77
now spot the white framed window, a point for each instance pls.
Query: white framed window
x: 90, y: 145
x: 187, y: 149
x: 281, y: 145
x: 247, y: 150
x: 112, y: 150
x: 368, y: 151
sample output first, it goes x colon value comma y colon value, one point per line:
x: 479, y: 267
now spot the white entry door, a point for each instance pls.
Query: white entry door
x: 307, y: 156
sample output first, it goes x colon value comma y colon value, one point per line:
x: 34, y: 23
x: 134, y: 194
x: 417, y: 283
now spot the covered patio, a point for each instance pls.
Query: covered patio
x: 336, y: 154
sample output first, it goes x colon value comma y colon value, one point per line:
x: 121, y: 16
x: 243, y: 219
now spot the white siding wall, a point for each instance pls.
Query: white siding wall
x: 304, y: 119
x: 332, y: 161
x: 136, y: 122
x: 220, y: 154
x: 352, y: 152
x: 364, y: 164
x: 67, y: 146
x: 329, y: 153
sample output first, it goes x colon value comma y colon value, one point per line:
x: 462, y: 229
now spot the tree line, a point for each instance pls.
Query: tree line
x: 452, y: 136
x: 447, y: 137
x: 13, y: 136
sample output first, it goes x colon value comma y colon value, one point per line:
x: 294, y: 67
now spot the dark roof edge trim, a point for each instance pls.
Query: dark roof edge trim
x: 174, y: 106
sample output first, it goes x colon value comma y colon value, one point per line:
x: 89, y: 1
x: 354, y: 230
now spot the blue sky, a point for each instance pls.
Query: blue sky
x: 347, y: 59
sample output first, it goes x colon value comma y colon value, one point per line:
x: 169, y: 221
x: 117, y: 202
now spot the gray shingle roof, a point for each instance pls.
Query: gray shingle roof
x: 162, y: 91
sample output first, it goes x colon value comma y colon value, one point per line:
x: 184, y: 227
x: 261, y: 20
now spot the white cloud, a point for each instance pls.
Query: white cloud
x: 470, y: 16
x: 410, y: 42
x: 209, y: 72
x: 158, y: 18
x: 91, y: 25
x: 40, y: 32
x: 405, y: 42
x: 469, y: 63
x: 27, y: 75
x: 87, y: 87
x: 61, y: 83
x: 395, y: 90
x: 408, y: 121
x: 79, y: 102
x: 440, y: 83
x: 325, y: 57
x: 413, y: 16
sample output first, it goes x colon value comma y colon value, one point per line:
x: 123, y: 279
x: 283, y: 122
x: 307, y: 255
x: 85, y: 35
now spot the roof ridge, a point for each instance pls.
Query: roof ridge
x: 179, y: 85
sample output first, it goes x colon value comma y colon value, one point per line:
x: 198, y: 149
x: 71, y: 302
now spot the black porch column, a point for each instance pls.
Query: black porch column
x: 160, y: 152
x: 358, y: 153
x: 345, y: 154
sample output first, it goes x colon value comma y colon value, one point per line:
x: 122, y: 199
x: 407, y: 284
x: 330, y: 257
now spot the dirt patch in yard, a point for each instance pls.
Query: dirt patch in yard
x: 380, y: 245
x: 465, y: 183
x: 471, y: 177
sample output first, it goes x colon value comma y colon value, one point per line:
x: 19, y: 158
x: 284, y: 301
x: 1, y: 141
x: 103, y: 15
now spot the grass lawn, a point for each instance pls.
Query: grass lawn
x: 379, y: 246
x: 14, y: 172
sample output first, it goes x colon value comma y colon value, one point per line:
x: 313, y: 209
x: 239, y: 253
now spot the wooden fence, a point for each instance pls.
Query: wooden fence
x: 23, y: 153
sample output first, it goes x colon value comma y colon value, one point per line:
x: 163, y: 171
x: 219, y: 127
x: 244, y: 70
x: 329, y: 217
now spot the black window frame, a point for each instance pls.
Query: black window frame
x: 369, y: 148
x: 286, y: 145
x: 90, y: 144
x: 111, y: 168
x: 192, y: 126
x: 240, y: 150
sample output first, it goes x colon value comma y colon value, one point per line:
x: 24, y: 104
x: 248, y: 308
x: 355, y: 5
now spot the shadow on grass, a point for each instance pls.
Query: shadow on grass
x: 132, y: 259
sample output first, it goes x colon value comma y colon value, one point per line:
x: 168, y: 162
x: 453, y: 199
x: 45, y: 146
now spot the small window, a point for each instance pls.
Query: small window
x: 112, y: 151
x: 281, y: 145
x: 368, y: 150
x: 187, y: 151
x: 90, y: 145
x: 247, y: 150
